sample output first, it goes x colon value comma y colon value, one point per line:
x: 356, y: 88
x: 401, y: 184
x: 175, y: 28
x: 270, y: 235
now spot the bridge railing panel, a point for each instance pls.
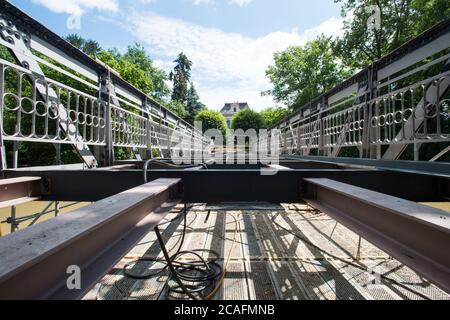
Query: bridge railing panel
x: 403, y: 99
x: 51, y: 92
x: 30, y: 116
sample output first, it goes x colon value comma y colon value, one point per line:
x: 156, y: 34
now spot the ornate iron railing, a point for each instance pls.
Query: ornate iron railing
x: 402, y: 99
x: 52, y: 92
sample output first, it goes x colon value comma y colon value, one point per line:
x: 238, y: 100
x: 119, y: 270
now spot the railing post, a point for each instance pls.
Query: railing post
x: 2, y: 145
x: 285, y: 148
x: 107, y: 158
x: 417, y: 151
x: 15, y: 160
x: 323, y: 106
x: 159, y: 136
x: 369, y: 151
x: 56, y: 208
x: 169, y: 147
x: 299, y: 145
x: 366, y: 128
x: 13, y: 219
x: 147, y: 154
x: 148, y: 151
x: 58, y: 153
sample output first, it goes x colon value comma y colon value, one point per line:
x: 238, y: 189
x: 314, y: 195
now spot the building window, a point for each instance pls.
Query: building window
x: 229, y: 124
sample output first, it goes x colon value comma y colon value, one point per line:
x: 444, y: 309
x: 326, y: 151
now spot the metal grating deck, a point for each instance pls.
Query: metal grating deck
x: 269, y: 263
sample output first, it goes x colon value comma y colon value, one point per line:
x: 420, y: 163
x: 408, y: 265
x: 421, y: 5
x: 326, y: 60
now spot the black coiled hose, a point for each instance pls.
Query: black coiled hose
x: 196, y: 279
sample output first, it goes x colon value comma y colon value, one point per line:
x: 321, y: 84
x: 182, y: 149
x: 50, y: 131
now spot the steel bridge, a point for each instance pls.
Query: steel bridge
x: 366, y: 153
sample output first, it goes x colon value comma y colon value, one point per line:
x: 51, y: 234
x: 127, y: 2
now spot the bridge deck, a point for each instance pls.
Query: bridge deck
x: 267, y: 262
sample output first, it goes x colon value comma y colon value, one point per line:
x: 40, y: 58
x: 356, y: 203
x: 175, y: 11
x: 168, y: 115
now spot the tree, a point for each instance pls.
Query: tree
x: 401, y: 20
x: 193, y: 104
x: 75, y: 40
x: 90, y: 47
x: 271, y: 116
x: 134, y: 65
x: 137, y: 55
x: 247, y: 119
x: 127, y: 70
x: 300, y: 74
x: 181, y: 76
x: 177, y: 108
x: 212, y: 120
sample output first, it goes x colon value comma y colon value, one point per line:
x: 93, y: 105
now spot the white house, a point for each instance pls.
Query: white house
x: 229, y: 110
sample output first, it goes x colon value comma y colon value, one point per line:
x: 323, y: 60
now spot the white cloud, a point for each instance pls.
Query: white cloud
x: 199, y: 2
x: 79, y: 7
x: 241, y: 3
x: 227, y: 66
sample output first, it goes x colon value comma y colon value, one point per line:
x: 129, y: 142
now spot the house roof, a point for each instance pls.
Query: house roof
x: 228, y: 107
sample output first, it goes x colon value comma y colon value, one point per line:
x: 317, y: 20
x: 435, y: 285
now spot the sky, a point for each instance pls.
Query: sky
x: 230, y: 42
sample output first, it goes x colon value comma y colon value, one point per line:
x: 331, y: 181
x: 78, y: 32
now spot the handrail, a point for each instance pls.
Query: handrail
x: 426, y: 37
x: 38, y: 30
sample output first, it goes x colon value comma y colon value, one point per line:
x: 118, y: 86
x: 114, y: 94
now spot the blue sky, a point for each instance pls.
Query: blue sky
x: 231, y: 42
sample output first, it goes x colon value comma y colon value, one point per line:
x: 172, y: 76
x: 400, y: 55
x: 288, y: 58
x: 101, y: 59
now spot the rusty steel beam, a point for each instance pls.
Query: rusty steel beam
x: 416, y: 235
x: 34, y: 262
x: 18, y: 190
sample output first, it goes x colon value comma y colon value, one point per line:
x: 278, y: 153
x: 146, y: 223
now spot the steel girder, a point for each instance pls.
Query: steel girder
x: 415, y: 234
x: 35, y: 261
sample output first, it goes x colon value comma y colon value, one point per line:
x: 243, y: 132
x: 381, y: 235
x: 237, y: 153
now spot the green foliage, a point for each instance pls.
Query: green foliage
x: 401, y: 20
x: 5, y: 55
x: 182, y: 93
x: 121, y: 153
x: 193, y: 104
x: 177, y: 108
x: 134, y: 66
x: 247, y: 119
x: 75, y: 40
x: 302, y: 73
x: 128, y: 71
x: 90, y: 47
x: 181, y: 76
x: 271, y: 116
x: 137, y: 55
x: 155, y: 153
x: 212, y: 120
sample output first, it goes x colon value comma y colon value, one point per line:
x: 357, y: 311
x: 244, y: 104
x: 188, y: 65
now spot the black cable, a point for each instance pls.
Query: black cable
x: 156, y: 260
x: 170, y: 265
x: 200, y: 273
x: 194, y: 279
x: 348, y: 262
